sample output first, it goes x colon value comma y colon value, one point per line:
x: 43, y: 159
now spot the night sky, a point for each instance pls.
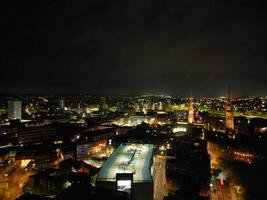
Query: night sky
x: 134, y: 46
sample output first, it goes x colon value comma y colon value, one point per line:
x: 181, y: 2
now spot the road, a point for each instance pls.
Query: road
x: 159, y: 177
x: 12, y: 186
x: 223, y: 191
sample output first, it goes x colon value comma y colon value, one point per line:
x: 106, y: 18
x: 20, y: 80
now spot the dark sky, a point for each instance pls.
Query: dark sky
x: 134, y: 46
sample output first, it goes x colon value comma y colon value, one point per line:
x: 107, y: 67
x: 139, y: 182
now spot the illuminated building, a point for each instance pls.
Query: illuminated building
x: 61, y: 104
x: 129, y: 170
x: 14, y: 109
x: 168, y: 103
x: 133, y: 120
x: 147, y: 104
x: 229, y: 113
x: 79, y: 108
x: 103, y: 104
x: 190, y: 116
x: 153, y: 106
x: 160, y: 106
x: 180, y: 129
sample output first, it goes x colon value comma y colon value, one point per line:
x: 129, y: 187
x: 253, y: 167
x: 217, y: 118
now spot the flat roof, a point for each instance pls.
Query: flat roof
x: 129, y: 158
x: 97, y: 128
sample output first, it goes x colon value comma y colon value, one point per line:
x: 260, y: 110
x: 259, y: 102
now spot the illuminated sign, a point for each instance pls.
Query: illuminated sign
x: 124, y: 182
x: 124, y: 185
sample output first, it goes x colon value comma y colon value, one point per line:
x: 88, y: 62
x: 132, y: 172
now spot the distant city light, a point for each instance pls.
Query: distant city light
x: 161, y: 148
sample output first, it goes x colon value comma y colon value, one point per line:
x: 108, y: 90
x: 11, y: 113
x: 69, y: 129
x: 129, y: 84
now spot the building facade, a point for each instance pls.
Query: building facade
x: 190, y: 111
x: 14, y: 110
x: 229, y: 113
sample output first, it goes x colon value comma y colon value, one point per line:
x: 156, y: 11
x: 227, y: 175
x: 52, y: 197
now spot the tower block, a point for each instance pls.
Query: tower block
x: 190, y: 116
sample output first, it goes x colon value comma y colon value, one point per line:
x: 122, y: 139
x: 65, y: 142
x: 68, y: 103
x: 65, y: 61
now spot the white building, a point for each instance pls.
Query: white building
x: 14, y: 109
x: 61, y: 104
x: 129, y: 169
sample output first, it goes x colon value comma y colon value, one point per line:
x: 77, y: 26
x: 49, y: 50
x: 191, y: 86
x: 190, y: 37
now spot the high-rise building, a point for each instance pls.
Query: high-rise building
x: 229, y: 113
x: 153, y: 106
x: 14, y: 109
x: 79, y: 108
x: 149, y: 106
x: 168, y: 103
x: 160, y: 106
x: 190, y: 116
x: 61, y: 104
x: 103, y: 104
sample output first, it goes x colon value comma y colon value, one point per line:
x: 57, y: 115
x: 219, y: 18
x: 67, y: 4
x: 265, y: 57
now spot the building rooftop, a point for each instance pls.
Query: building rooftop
x: 129, y: 158
x: 98, y: 128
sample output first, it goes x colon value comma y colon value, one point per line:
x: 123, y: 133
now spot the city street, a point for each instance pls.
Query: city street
x: 220, y: 192
x: 223, y: 191
x: 12, y: 186
x: 159, y: 177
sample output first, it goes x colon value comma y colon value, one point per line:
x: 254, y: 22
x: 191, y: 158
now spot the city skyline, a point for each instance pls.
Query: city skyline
x: 153, y: 47
x: 143, y: 147
x: 133, y: 100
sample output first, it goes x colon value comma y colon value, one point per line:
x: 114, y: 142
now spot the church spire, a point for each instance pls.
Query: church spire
x: 228, y: 94
x: 229, y: 112
x: 190, y: 117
